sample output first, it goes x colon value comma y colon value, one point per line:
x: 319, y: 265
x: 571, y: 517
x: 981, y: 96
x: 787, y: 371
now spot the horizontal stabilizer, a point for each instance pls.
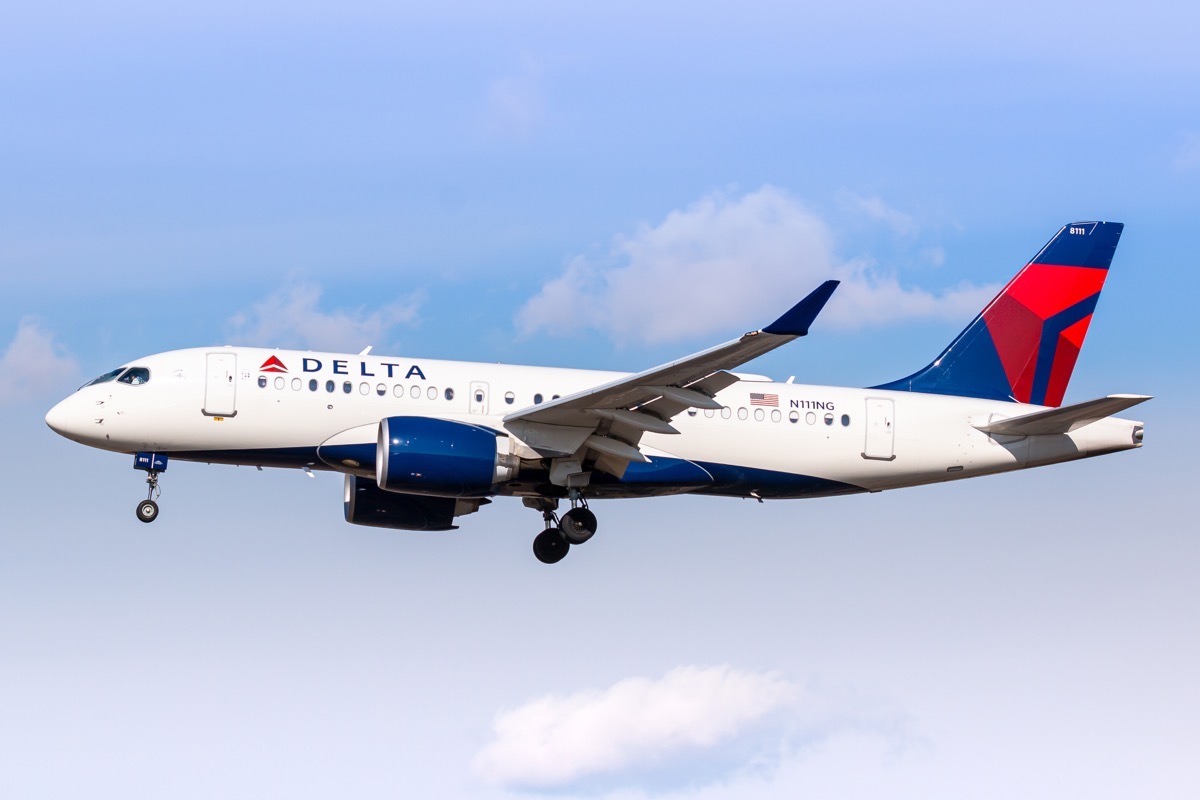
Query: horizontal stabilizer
x: 1065, y: 419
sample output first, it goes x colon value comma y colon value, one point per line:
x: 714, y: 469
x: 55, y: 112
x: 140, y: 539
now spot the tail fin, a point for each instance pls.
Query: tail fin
x: 1023, y: 345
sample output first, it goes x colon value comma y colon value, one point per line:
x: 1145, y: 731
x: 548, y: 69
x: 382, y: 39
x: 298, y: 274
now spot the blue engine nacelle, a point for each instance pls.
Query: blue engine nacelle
x: 367, y: 504
x: 441, y: 458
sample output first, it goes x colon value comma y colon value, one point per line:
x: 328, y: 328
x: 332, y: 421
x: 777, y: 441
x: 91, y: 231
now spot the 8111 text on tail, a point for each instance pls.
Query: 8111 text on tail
x: 423, y: 442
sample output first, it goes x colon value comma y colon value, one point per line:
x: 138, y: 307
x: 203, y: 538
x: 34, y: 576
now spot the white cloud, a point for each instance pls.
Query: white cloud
x: 515, y: 104
x: 694, y: 722
x: 724, y: 263
x: 867, y: 298
x: 291, y: 318
x: 874, y: 208
x: 34, y: 364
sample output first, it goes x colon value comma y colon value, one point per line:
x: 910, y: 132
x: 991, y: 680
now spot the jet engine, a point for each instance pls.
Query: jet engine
x: 367, y: 504
x: 441, y: 458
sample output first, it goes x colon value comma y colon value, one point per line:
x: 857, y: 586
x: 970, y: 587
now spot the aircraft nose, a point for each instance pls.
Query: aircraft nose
x: 64, y: 420
x: 56, y: 418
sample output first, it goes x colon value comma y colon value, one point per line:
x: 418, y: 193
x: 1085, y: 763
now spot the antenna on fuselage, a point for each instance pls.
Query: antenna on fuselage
x: 366, y: 350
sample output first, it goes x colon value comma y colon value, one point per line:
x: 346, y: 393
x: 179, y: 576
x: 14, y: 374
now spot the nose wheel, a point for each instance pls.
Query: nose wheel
x: 575, y: 527
x: 147, y: 510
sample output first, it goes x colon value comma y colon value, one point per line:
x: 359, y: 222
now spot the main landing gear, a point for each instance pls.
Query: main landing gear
x: 574, y: 527
x: 152, y: 464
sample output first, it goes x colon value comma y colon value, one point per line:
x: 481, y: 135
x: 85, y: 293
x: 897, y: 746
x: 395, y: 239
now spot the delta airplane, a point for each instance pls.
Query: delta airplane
x: 424, y: 442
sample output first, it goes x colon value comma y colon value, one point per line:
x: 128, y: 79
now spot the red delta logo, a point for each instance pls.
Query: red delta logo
x: 272, y: 364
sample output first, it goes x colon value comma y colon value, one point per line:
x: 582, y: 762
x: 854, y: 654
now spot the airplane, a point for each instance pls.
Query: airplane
x: 423, y: 442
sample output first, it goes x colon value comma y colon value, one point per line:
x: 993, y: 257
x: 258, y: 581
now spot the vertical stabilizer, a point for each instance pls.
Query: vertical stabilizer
x: 1023, y: 345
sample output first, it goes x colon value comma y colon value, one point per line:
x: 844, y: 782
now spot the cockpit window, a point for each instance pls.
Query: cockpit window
x: 135, y: 376
x: 106, y: 377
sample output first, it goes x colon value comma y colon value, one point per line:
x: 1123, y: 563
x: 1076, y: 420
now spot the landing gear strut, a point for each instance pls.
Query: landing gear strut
x: 152, y: 464
x: 575, y: 527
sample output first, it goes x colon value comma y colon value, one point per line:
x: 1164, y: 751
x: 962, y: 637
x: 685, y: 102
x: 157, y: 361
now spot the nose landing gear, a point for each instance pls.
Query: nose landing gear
x: 147, y: 510
x: 152, y: 464
x: 575, y: 527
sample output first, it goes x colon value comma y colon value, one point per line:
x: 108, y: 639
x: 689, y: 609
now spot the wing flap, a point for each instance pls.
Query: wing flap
x: 638, y: 420
x: 615, y: 448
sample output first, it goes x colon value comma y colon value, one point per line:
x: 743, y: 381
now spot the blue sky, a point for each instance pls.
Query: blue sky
x: 598, y: 187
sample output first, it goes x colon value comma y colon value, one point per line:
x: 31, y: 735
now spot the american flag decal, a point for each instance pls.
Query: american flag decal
x: 760, y: 399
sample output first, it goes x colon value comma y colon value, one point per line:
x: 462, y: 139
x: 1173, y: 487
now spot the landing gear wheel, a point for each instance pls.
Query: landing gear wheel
x: 550, y: 547
x: 578, y: 525
x: 147, y: 511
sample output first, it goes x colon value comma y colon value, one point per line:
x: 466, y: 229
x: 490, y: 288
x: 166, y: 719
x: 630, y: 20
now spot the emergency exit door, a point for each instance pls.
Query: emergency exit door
x: 220, y: 387
x: 479, y: 398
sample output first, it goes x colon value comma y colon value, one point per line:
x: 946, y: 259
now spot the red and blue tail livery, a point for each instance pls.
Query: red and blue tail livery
x: 1023, y: 346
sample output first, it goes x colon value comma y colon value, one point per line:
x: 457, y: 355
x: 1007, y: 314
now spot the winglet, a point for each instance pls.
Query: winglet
x: 796, y: 320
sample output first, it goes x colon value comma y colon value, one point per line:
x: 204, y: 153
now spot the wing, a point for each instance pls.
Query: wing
x: 609, y: 420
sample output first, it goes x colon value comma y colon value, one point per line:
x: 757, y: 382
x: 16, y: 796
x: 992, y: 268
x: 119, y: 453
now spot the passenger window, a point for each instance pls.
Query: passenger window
x: 793, y: 416
x: 845, y: 420
x: 555, y: 397
x: 775, y: 415
x: 810, y: 418
x: 708, y: 412
x: 329, y: 386
x: 262, y: 381
x: 537, y: 399
x: 509, y: 397
x: 415, y: 392
x: 347, y: 387
x: 312, y: 385
x: 431, y: 393
x: 479, y: 395
x: 364, y: 389
x: 725, y: 412
x: 829, y: 419
x: 743, y: 413
x: 691, y: 412
x: 381, y: 390
x: 398, y: 390
x: 296, y: 384
x: 759, y: 414
x: 449, y: 393
x: 280, y: 383
x: 135, y: 376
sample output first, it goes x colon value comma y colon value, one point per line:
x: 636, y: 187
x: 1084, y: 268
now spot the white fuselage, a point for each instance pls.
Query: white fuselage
x: 225, y: 405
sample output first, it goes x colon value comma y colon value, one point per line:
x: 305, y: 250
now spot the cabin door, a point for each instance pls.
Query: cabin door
x: 220, y: 387
x: 881, y: 429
